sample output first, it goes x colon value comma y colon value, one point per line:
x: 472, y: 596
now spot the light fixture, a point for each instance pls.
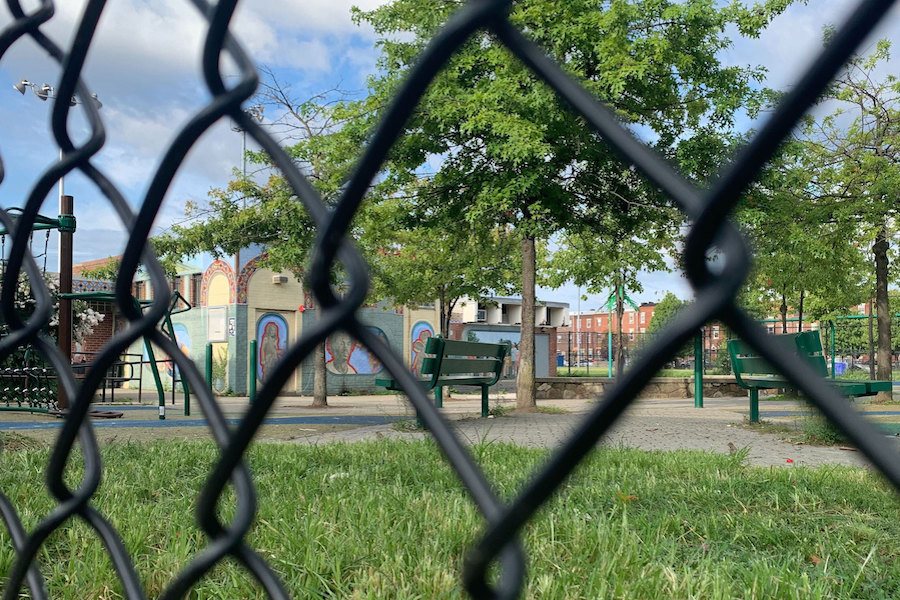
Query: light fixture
x: 46, y: 91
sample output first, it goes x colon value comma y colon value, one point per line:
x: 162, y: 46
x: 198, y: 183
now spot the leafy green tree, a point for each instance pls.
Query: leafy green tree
x: 664, y: 311
x: 414, y: 261
x: 261, y: 208
x: 854, y: 156
x: 802, y: 259
x: 512, y: 154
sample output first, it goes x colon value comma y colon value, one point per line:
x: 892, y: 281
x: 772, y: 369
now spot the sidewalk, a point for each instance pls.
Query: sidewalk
x: 649, y: 424
x: 657, y: 425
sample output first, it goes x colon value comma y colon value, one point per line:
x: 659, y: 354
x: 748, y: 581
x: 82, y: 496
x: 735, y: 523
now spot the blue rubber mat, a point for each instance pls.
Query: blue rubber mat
x: 335, y: 420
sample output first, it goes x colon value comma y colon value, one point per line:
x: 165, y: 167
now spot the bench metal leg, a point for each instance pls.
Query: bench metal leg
x: 484, y: 401
x: 439, y: 397
x: 754, y: 405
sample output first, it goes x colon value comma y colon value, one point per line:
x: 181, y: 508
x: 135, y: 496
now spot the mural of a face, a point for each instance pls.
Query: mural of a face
x: 341, y: 346
x: 345, y: 356
x: 271, y: 331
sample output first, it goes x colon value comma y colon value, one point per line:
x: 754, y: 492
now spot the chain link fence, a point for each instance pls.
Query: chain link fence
x: 495, y: 565
x: 593, y: 354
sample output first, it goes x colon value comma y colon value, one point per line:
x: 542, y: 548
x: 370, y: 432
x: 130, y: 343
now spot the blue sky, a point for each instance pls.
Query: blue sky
x: 144, y: 65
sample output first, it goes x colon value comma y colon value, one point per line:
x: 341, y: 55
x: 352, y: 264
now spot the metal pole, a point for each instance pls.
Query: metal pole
x: 209, y: 369
x: 609, y: 350
x: 698, y: 370
x: 66, y: 231
x: 252, y: 372
x: 832, y: 348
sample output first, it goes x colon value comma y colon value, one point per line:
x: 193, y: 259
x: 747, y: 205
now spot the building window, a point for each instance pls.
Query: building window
x: 631, y: 317
x: 643, y: 330
x: 196, y: 280
x: 715, y: 333
x: 643, y: 317
x: 139, y: 290
x: 587, y: 324
x: 559, y: 338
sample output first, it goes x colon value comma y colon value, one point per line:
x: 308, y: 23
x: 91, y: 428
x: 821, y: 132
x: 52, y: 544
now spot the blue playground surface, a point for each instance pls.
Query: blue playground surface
x: 114, y: 423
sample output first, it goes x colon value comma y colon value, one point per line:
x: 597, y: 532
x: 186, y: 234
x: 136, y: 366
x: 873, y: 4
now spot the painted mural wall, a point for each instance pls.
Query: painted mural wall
x: 350, y: 366
x: 273, y: 309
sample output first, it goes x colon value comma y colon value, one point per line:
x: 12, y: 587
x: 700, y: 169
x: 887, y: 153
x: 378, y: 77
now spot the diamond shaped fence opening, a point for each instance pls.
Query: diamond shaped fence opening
x: 715, y: 292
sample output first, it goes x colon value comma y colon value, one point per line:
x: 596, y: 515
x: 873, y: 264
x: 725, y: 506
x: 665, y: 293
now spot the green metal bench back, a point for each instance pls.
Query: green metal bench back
x: 806, y: 345
x: 460, y: 360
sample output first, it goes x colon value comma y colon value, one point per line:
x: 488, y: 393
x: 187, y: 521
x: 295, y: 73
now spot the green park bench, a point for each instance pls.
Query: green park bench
x: 455, y: 363
x: 755, y: 373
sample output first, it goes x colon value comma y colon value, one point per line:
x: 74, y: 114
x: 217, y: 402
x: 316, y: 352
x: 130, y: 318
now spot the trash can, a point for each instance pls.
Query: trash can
x: 560, y: 360
x: 840, y: 368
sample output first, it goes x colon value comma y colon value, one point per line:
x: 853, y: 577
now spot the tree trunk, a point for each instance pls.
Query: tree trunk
x: 320, y: 378
x: 525, y: 386
x: 800, y: 312
x: 871, y: 342
x: 447, y: 318
x: 882, y: 306
x: 620, y: 340
x: 442, y: 309
x: 783, y: 314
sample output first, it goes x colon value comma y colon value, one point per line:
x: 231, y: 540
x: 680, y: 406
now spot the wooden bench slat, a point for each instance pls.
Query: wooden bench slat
x: 461, y: 366
x: 875, y: 386
x: 754, y: 365
x: 474, y: 349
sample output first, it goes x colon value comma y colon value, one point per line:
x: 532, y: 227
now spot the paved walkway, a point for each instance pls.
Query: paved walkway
x: 649, y: 425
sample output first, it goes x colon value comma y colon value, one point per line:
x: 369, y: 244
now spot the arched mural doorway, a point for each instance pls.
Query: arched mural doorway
x: 272, y: 340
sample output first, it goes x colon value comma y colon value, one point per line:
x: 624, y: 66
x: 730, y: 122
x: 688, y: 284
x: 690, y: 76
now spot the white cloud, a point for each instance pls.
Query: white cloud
x: 323, y: 16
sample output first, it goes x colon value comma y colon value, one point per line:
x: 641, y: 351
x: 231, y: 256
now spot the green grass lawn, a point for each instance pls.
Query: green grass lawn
x: 388, y: 519
x: 863, y: 375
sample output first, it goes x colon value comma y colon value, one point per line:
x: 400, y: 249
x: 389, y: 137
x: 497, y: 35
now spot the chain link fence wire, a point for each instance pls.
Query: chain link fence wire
x: 716, y: 293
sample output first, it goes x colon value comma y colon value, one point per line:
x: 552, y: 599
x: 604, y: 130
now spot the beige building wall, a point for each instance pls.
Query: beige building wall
x: 265, y: 296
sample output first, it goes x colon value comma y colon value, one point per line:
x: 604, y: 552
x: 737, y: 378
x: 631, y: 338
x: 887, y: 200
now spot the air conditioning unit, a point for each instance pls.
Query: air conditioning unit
x: 481, y: 316
x: 279, y: 279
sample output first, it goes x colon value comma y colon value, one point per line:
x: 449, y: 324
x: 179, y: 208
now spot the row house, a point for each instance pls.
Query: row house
x: 508, y: 311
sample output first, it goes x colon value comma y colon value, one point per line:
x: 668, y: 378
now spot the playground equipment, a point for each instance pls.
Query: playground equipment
x: 27, y: 383
x: 178, y: 304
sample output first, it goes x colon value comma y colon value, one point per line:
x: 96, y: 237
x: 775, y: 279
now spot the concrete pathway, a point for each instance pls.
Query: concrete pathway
x: 649, y: 425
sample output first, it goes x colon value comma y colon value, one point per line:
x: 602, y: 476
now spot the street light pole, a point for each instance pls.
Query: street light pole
x: 255, y: 112
x: 66, y: 231
x: 42, y: 93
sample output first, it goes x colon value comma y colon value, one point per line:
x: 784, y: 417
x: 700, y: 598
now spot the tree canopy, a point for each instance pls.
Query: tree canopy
x: 512, y: 154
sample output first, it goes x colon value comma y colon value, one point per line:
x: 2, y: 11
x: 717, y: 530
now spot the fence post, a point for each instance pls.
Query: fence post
x: 64, y: 338
x: 609, y: 356
x: 209, y: 369
x: 251, y: 372
x: 832, y: 348
x: 698, y: 370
